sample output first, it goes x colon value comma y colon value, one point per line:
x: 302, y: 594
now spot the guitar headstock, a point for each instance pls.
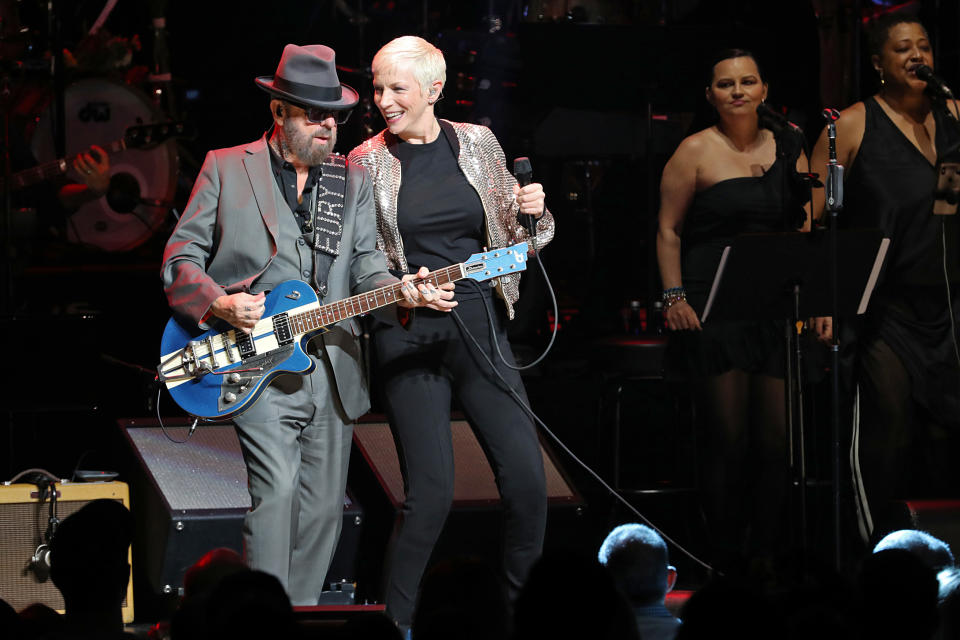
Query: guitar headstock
x: 496, y: 262
x: 145, y: 136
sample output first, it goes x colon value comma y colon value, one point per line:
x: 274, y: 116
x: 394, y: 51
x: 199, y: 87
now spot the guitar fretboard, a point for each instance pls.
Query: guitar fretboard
x: 334, y: 312
x: 51, y: 169
x: 137, y: 137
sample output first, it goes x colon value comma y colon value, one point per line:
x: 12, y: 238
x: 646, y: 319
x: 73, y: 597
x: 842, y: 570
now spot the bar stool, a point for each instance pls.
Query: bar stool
x: 632, y: 369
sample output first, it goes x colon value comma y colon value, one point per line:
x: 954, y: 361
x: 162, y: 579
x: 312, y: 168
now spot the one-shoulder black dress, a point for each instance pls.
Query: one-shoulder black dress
x: 890, y: 186
x: 717, y: 214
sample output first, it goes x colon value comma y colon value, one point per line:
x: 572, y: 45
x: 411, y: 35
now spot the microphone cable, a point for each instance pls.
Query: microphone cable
x: 553, y: 437
x: 553, y: 332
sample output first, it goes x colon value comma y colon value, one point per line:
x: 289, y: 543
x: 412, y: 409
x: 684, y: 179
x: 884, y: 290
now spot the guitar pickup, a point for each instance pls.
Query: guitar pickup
x: 245, y: 344
x: 281, y: 329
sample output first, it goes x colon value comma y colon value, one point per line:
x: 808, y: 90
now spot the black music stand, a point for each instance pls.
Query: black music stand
x: 786, y: 276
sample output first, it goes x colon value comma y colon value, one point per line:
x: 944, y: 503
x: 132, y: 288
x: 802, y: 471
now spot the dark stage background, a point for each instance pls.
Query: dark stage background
x: 598, y: 94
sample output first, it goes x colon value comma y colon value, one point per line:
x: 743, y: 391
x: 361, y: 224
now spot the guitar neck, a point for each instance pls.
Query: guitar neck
x: 47, y: 170
x: 334, y: 312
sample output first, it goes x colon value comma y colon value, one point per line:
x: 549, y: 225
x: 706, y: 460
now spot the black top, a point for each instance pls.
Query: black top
x: 439, y: 214
x: 286, y: 176
x: 718, y: 214
x: 890, y: 186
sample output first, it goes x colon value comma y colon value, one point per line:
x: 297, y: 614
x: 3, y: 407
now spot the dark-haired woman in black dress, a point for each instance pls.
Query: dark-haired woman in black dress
x: 724, y: 181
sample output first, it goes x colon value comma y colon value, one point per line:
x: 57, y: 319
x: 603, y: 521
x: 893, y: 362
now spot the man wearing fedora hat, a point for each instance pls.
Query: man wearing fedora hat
x: 285, y: 207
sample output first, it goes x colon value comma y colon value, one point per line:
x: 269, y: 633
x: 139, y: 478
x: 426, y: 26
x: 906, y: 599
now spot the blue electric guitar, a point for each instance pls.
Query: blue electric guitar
x: 218, y: 374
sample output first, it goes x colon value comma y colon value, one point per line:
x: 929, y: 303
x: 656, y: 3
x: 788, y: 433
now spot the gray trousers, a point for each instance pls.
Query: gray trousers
x: 296, y: 445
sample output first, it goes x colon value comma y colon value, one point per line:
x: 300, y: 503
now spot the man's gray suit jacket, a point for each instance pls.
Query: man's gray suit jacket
x: 227, y: 237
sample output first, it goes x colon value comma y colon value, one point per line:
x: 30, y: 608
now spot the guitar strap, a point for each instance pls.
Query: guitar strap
x: 327, y: 209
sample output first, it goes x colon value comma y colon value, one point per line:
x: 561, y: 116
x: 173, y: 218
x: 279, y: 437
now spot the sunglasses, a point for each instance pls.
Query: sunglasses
x: 317, y: 115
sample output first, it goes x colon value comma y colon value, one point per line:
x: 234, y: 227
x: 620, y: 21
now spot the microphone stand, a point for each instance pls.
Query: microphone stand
x: 790, y: 142
x: 792, y: 381
x: 833, y: 192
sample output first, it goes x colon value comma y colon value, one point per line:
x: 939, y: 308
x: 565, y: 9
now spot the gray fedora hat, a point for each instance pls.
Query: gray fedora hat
x: 308, y: 75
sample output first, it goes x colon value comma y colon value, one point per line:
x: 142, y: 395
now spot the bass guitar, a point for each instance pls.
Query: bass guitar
x: 219, y: 373
x: 143, y: 136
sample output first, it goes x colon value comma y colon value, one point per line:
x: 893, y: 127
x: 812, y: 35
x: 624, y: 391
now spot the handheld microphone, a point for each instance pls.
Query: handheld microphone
x: 934, y: 83
x: 523, y: 170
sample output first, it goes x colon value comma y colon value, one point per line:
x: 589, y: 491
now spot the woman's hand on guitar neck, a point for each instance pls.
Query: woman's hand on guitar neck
x: 426, y: 294
x: 242, y: 310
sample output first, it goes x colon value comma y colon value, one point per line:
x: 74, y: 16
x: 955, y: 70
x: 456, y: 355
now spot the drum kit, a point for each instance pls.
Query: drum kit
x: 63, y: 116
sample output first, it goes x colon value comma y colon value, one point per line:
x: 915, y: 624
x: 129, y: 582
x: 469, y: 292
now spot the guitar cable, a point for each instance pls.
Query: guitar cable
x: 163, y: 428
x: 529, y: 411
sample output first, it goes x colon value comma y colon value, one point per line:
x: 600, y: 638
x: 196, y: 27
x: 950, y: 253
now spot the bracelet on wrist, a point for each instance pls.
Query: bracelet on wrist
x: 672, y: 296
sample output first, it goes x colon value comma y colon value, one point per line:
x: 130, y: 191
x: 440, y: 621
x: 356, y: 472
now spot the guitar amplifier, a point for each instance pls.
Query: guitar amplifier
x: 23, y: 521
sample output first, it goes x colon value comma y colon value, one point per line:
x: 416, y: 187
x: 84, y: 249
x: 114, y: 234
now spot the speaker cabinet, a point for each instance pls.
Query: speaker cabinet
x: 23, y: 522
x: 192, y: 497
x: 474, y: 484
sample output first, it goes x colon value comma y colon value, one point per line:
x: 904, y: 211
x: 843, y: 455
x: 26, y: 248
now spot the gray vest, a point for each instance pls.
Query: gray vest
x: 294, y: 259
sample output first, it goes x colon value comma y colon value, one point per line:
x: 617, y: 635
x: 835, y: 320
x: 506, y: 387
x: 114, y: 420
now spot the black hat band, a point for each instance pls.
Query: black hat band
x: 307, y: 91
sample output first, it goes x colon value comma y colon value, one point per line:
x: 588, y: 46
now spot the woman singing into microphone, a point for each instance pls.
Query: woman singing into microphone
x: 443, y: 191
x: 902, y: 353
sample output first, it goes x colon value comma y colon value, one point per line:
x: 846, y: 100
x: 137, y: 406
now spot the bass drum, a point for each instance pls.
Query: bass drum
x: 98, y: 111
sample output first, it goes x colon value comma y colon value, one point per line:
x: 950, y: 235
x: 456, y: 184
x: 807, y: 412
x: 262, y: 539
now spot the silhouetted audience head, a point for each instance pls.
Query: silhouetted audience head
x: 10, y: 626
x: 207, y: 572
x: 460, y: 599
x: 41, y: 621
x: 934, y: 552
x: 571, y: 595
x: 948, y: 582
x: 200, y: 580
x: 249, y: 605
x: 89, y: 564
x: 728, y: 608
x: 898, y: 596
x: 949, y: 607
x: 818, y: 603
x: 636, y: 557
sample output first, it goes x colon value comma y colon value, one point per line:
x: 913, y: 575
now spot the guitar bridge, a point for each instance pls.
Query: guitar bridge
x: 191, y: 363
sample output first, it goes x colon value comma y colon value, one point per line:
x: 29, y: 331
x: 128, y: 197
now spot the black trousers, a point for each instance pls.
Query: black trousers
x: 422, y: 367
x: 883, y: 436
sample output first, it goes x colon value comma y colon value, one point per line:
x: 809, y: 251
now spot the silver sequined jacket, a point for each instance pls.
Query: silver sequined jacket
x: 485, y: 167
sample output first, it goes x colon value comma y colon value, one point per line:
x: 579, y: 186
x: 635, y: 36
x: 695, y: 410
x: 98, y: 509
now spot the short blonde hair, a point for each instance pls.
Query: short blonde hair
x: 427, y: 60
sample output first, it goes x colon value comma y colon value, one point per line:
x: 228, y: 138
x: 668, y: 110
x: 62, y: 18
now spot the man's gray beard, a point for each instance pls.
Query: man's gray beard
x: 297, y: 144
